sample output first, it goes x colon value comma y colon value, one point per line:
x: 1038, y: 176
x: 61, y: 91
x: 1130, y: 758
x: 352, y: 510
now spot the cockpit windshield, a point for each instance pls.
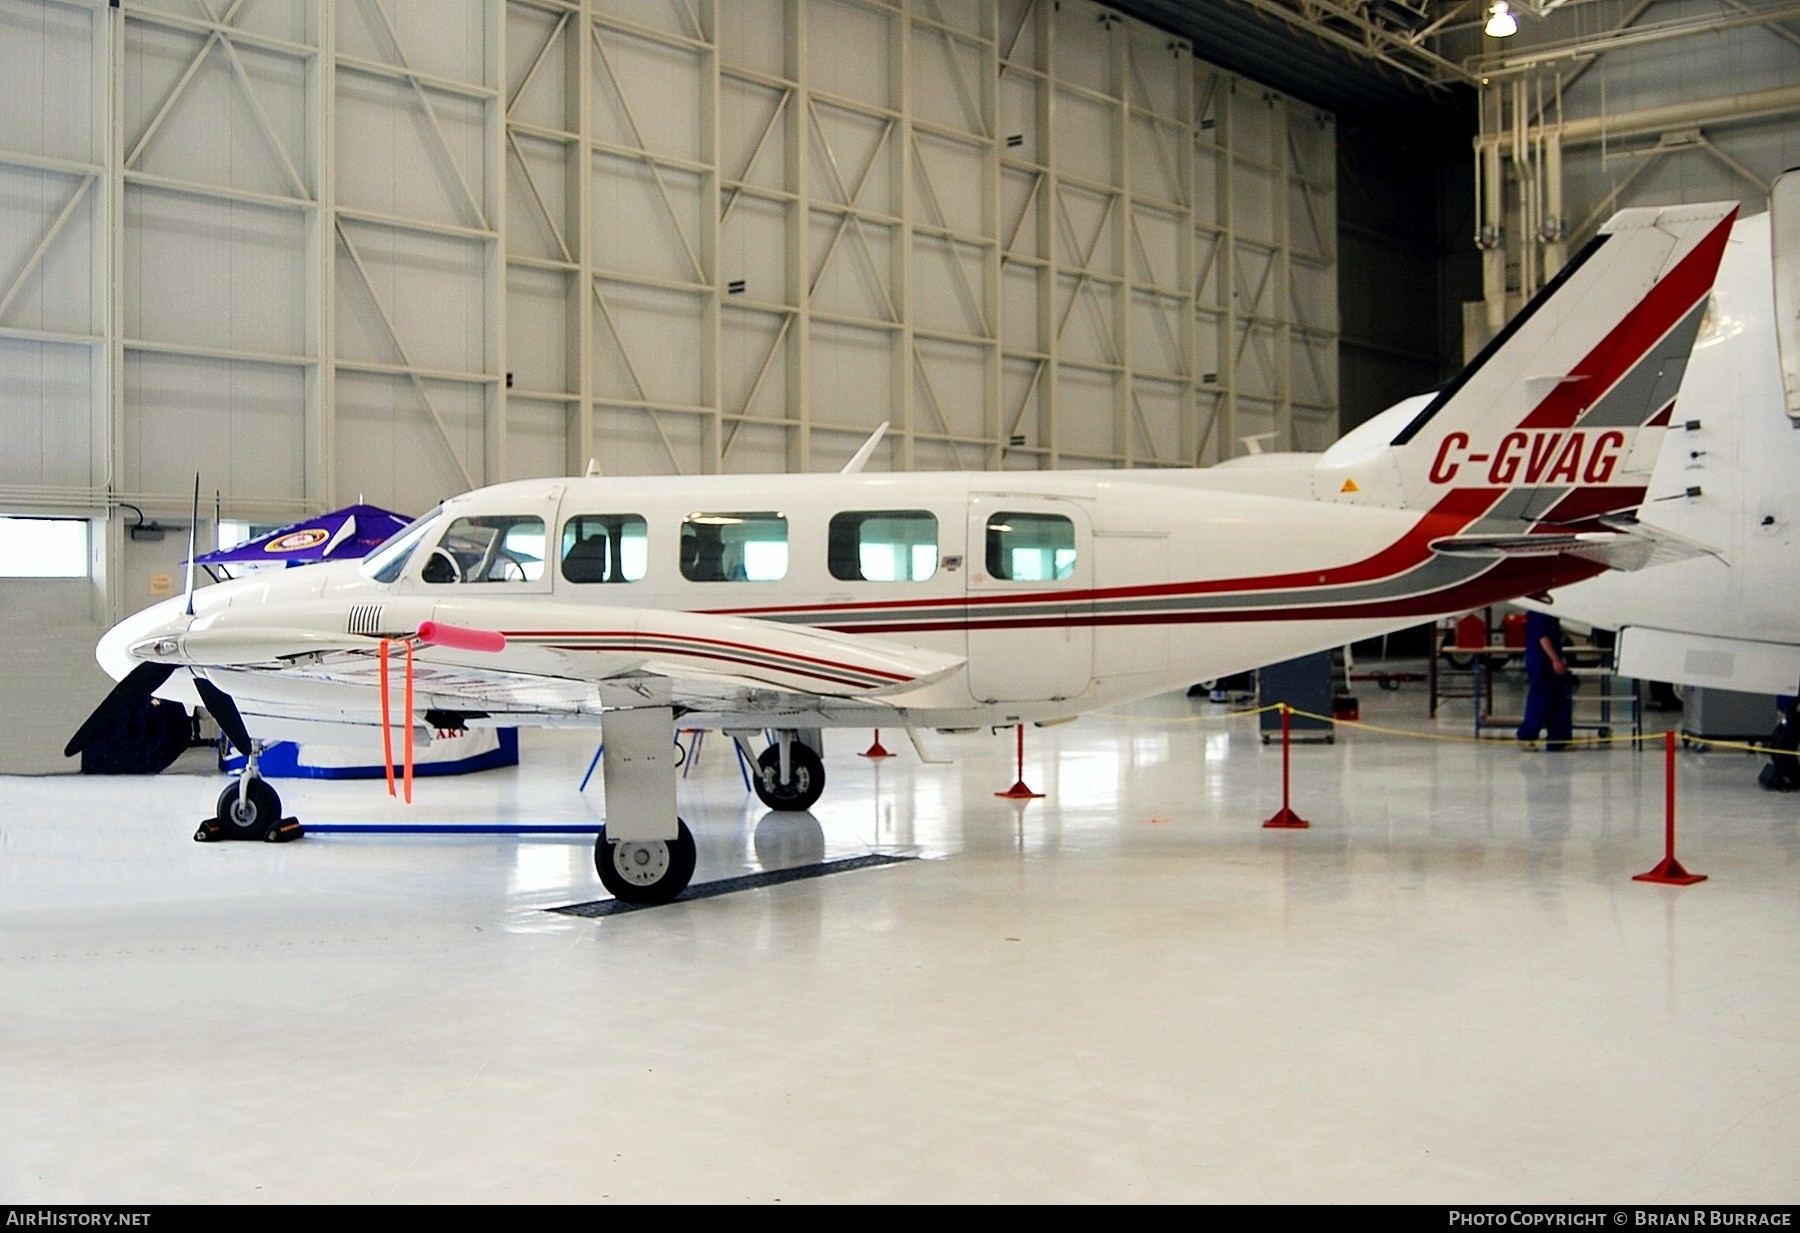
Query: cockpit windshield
x: 386, y: 562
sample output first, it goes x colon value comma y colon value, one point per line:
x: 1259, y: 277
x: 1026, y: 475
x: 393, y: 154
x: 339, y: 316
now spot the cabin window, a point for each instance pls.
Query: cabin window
x: 1030, y: 547
x: 883, y: 546
x: 492, y: 548
x: 734, y: 547
x: 385, y: 562
x: 605, y: 548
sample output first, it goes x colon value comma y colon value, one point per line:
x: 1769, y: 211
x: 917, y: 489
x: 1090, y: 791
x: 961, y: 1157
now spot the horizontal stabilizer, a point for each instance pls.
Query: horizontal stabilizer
x: 1625, y: 544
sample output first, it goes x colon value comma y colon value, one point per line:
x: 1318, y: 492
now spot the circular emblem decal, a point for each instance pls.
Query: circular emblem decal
x: 297, y: 541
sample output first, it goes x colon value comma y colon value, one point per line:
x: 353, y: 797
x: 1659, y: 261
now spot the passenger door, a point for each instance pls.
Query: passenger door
x: 1030, y: 582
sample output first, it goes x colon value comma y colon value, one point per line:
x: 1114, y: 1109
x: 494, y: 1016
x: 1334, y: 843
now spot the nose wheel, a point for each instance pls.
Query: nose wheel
x: 249, y: 809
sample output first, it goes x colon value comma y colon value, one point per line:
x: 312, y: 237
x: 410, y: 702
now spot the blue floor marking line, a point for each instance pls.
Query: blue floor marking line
x: 728, y: 886
x: 387, y: 828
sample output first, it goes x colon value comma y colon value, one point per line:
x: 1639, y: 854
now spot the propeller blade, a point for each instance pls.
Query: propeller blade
x: 132, y: 689
x: 193, y: 531
x: 224, y: 711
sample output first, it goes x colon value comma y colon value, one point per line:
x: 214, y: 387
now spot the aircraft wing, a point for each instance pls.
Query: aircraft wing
x: 1626, y: 544
x: 522, y: 658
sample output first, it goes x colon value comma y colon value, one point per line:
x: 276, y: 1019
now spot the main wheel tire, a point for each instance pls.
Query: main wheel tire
x: 1787, y: 737
x: 653, y: 871
x: 805, y: 784
x: 251, y: 816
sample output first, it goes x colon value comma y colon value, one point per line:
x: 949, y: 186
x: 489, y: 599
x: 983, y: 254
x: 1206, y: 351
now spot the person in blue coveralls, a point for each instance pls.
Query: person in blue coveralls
x: 1549, y: 701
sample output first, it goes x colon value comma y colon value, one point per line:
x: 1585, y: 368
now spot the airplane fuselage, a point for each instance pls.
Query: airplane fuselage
x: 1062, y: 592
x: 794, y: 602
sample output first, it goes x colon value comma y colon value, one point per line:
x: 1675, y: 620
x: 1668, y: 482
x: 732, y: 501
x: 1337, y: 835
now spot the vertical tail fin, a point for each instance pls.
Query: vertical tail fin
x: 1557, y: 422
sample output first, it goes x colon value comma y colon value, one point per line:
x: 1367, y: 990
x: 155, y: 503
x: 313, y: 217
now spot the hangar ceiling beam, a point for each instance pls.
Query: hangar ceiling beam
x: 1352, y: 27
x: 1630, y: 36
x: 1747, y: 107
x: 1556, y: 135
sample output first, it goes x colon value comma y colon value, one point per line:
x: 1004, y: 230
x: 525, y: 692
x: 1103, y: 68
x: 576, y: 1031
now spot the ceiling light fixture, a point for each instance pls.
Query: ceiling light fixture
x: 1501, y: 23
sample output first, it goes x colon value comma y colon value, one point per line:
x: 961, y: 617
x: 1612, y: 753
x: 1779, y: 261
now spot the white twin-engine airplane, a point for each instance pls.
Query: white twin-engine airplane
x: 790, y: 603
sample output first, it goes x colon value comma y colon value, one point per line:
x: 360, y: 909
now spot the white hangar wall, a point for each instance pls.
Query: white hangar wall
x: 1025, y: 234
x: 393, y: 250
x: 1618, y: 103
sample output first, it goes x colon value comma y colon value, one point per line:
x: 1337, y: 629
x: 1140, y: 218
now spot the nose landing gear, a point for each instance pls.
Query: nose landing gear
x: 249, y: 809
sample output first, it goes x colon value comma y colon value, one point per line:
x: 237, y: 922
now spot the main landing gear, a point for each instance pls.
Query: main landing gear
x: 790, y: 775
x: 644, y: 853
x: 249, y: 809
x: 645, y: 870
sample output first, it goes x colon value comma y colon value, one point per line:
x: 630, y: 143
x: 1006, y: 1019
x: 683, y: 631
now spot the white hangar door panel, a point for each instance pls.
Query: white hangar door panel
x: 1030, y: 579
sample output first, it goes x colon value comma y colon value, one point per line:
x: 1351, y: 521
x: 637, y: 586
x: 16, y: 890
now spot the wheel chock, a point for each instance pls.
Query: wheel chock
x: 287, y: 830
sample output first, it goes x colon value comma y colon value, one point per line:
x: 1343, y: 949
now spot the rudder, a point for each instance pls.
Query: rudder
x: 1559, y: 418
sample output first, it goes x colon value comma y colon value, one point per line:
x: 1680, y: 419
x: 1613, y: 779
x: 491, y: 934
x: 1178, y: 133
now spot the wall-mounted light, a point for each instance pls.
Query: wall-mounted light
x: 1501, y: 23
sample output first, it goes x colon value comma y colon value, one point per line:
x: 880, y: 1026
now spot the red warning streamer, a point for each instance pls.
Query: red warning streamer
x: 387, y: 720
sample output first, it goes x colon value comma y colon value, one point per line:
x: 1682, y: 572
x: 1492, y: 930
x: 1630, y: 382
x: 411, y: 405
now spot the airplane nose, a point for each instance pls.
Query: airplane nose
x: 114, y: 650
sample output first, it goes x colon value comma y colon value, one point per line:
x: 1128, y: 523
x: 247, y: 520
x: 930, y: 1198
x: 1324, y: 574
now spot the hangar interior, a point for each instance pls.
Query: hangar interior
x: 319, y: 252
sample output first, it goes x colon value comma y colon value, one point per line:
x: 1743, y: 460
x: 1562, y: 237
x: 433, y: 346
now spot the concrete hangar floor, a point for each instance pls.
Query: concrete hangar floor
x: 1449, y: 989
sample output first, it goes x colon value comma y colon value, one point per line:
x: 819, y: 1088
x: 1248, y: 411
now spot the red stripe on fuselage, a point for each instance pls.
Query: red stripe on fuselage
x: 1507, y: 580
x: 739, y: 660
x: 633, y: 634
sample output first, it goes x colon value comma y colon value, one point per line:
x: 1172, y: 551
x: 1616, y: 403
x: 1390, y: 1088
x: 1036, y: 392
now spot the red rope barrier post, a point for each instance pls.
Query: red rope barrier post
x: 1019, y: 792
x: 875, y: 750
x: 1286, y: 818
x: 1669, y: 871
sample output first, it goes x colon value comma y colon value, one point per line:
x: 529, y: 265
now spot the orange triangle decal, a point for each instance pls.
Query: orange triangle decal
x: 1349, y: 486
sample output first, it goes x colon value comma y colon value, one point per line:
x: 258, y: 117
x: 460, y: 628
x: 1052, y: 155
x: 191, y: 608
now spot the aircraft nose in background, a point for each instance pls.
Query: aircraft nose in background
x: 115, y: 646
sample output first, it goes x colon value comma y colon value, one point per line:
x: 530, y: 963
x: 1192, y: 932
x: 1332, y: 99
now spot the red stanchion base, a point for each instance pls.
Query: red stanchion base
x: 1286, y: 819
x: 876, y: 750
x: 1019, y: 792
x: 1670, y: 873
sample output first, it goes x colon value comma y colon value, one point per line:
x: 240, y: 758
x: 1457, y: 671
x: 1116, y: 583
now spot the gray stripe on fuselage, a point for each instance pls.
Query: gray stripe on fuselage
x: 1509, y: 515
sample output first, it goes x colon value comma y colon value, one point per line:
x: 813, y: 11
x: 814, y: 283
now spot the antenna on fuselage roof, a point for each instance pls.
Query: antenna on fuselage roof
x: 868, y: 447
x: 593, y: 468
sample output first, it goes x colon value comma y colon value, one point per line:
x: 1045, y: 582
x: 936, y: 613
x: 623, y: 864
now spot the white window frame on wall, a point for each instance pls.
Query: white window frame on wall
x: 44, y: 547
